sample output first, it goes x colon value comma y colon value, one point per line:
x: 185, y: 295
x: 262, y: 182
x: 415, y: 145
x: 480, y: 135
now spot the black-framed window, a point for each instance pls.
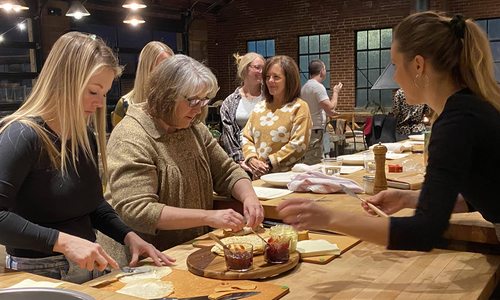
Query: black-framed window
x: 265, y: 48
x: 19, y: 62
x: 314, y: 47
x: 373, y: 54
x: 492, y: 28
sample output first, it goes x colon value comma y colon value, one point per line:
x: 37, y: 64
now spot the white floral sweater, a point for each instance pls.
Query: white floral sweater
x: 281, y: 135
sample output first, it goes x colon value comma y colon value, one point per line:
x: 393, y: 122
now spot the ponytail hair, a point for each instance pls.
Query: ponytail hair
x: 243, y: 61
x: 455, y: 45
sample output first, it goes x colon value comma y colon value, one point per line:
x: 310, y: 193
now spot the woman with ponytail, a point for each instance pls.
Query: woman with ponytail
x: 447, y: 64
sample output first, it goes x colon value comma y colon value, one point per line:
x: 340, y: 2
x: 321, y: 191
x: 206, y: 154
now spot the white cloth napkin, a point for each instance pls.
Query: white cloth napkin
x: 300, y: 168
x: 320, y: 183
x: 396, y: 147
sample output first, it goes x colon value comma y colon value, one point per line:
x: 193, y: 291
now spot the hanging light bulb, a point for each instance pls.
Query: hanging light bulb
x: 134, y: 19
x: 77, y: 10
x: 13, y: 5
x: 1, y: 38
x: 134, y: 4
x: 21, y: 26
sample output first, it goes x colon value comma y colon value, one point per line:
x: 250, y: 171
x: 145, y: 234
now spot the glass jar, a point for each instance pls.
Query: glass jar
x: 286, y: 230
x: 369, y: 184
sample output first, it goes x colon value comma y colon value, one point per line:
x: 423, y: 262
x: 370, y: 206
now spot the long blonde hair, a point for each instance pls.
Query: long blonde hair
x: 454, y: 45
x: 147, y: 61
x: 57, y: 96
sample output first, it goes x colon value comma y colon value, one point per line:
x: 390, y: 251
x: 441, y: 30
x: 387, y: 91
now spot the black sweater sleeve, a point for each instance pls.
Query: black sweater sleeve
x: 18, y: 152
x: 106, y: 220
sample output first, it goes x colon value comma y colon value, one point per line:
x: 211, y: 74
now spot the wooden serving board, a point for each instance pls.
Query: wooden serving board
x: 190, y: 285
x: 343, y: 242
x: 207, y: 264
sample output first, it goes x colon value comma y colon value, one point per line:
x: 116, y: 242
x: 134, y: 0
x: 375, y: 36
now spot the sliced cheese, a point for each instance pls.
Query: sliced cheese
x: 148, y: 288
x: 151, y: 272
x: 309, y: 248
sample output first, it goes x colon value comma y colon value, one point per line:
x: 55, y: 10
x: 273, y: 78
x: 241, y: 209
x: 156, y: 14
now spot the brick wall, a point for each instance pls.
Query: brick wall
x: 285, y: 21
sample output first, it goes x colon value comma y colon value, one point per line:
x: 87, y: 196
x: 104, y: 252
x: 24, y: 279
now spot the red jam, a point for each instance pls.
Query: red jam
x: 278, y: 251
x: 238, y: 258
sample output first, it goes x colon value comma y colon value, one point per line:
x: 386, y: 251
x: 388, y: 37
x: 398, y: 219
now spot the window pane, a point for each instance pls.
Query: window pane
x: 497, y: 71
x: 107, y: 33
x: 361, y: 78
x: 304, y: 63
x: 361, y: 40
x: 326, y: 82
x: 373, y: 76
x: 133, y: 37
x: 303, y: 78
x: 270, y: 48
x: 16, y: 60
x: 361, y: 98
x: 483, y: 24
x: 303, y: 45
x: 168, y: 38
x: 494, y: 29
x: 313, y: 44
x: 385, y: 58
x: 362, y: 60
x: 373, y: 59
x: 251, y: 47
x: 326, y: 59
x: 14, y: 90
x: 495, y: 49
x: 261, y: 47
x: 325, y: 43
x: 14, y: 34
x: 373, y: 39
x: 314, y: 56
x: 385, y: 38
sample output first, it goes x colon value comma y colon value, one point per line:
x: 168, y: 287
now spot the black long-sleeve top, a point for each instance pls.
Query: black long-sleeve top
x: 37, y: 201
x: 463, y: 158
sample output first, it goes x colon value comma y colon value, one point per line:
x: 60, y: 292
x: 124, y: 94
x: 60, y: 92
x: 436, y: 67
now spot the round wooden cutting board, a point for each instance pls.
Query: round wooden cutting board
x: 207, y: 264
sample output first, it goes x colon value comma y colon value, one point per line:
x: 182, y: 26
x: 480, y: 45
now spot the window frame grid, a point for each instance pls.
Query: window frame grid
x: 265, y: 55
x: 315, y: 55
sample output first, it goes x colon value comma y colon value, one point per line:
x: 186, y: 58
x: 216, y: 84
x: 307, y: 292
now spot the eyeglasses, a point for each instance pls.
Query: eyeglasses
x: 193, y: 102
x: 256, y: 68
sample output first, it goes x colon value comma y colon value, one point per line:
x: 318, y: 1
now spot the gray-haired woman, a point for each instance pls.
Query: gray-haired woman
x: 164, y: 164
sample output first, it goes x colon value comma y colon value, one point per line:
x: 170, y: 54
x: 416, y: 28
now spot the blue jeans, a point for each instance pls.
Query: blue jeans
x: 57, y: 267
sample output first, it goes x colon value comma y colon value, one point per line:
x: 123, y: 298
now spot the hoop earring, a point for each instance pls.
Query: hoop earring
x: 419, y: 79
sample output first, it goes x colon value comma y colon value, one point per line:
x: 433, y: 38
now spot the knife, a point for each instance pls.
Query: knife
x: 233, y: 296
x: 351, y: 193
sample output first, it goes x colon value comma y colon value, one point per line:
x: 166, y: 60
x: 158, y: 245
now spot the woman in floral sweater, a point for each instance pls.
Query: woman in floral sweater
x: 278, y: 130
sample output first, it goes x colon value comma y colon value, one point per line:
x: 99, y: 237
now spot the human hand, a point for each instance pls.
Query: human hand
x: 253, y: 211
x: 258, y: 167
x: 337, y: 87
x: 391, y: 201
x: 84, y: 253
x: 225, y: 218
x: 138, y: 246
x: 304, y: 213
x: 244, y: 166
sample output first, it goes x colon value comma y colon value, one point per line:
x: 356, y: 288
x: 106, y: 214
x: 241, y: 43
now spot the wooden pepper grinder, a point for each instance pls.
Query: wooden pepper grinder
x: 380, y: 179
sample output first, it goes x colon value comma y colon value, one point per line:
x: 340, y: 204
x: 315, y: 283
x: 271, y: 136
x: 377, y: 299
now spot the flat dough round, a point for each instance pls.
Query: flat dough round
x: 258, y: 244
x: 148, y: 288
x: 152, y: 272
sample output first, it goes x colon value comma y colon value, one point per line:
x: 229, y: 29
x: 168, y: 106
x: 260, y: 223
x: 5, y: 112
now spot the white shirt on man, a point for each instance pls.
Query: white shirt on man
x: 313, y: 93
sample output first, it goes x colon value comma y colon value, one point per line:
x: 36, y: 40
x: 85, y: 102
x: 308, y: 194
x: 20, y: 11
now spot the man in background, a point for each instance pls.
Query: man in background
x: 320, y: 106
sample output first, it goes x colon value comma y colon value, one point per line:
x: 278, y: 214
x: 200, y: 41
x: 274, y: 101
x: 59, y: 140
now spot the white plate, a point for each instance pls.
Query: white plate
x: 278, y: 179
x: 416, y: 137
x: 265, y: 193
x: 352, y: 159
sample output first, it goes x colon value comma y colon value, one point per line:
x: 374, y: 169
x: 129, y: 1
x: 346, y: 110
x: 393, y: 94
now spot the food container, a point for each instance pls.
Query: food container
x: 332, y: 166
x: 369, y: 184
x: 285, y: 230
x: 395, y: 168
x: 277, y: 249
x: 239, y: 257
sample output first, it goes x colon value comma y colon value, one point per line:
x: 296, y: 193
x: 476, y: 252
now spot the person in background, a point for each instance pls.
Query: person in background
x: 151, y: 55
x: 278, y: 130
x: 447, y: 64
x: 236, y: 108
x: 409, y: 118
x: 164, y: 164
x: 50, y: 192
x: 320, y: 106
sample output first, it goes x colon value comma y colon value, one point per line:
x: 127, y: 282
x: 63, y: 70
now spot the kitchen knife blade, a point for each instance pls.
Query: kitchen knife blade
x: 351, y: 193
x: 233, y: 296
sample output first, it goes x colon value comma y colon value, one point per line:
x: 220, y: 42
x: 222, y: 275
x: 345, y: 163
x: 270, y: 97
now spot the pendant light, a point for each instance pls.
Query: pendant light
x: 13, y: 5
x: 77, y: 10
x: 134, y: 4
x: 134, y: 19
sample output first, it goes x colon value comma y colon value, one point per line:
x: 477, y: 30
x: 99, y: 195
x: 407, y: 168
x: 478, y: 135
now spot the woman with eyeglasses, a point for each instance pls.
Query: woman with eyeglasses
x: 164, y: 164
x: 238, y: 106
x: 278, y: 130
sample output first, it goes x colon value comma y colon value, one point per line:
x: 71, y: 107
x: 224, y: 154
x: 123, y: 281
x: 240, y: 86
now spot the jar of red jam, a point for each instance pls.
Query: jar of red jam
x: 239, y: 257
x: 277, y: 249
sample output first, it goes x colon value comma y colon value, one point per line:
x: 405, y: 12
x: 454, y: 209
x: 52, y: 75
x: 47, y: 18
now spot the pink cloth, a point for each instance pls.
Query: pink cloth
x: 320, y: 183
